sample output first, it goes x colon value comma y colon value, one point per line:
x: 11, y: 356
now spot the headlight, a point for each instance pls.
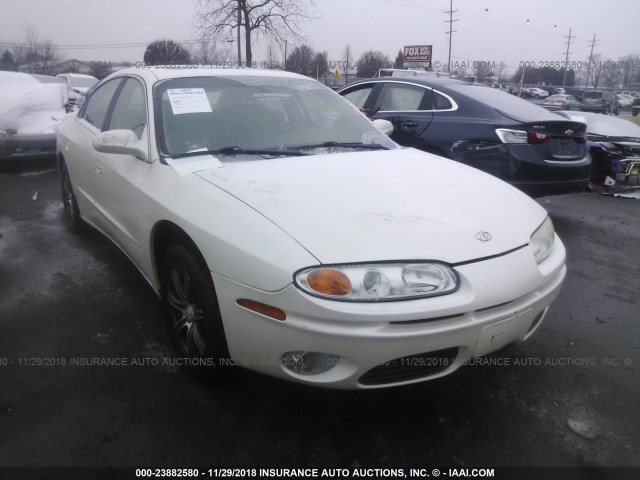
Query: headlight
x: 378, y: 282
x: 542, y: 240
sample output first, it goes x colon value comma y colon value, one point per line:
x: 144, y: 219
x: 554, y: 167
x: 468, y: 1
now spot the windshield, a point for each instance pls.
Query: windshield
x: 83, y: 82
x: 234, y: 115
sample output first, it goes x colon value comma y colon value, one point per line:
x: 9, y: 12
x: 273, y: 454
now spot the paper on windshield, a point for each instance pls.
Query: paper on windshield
x: 188, y: 100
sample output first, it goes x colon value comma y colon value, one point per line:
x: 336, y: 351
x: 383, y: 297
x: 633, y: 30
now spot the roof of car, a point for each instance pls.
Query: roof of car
x: 420, y: 80
x: 153, y: 74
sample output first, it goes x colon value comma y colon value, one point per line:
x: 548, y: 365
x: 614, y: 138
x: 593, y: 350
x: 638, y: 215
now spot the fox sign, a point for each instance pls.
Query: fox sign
x: 417, y: 53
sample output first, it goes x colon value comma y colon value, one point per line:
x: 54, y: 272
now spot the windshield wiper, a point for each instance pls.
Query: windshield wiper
x: 356, y: 145
x: 264, y: 151
x: 242, y: 151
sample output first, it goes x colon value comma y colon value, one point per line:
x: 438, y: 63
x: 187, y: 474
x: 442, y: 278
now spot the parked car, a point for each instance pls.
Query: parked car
x: 286, y: 234
x: 521, y: 92
x: 31, y: 107
x: 599, y: 101
x: 78, y: 84
x: 561, y: 102
x: 538, y: 92
x: 614, y: 146
x: 635, y: 107
x: 624, y: 101
x: 576, y: 92
x: 511, y: 138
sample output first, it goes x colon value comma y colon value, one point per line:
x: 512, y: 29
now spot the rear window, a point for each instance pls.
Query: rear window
x: 504, y: 102
x: 592, y: 95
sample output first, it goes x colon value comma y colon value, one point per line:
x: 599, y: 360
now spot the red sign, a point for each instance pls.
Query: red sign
x: 417, y: 53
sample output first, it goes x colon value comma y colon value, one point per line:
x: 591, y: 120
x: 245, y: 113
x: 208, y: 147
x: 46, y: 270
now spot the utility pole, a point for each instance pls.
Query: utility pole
x: 593, y: 44
x: 284, y: 66
x: 566, y: 59
x: 239, y: 45
x: 450, y: 32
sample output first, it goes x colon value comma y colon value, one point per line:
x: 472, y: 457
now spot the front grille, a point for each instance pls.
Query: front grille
x: 409, y: 368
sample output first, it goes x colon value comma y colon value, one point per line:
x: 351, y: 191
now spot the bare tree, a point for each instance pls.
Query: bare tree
x: 483, y: 71
x: 272, y: 58
x: 100, y: 70
x: 399, y: 61
x: 347, y: 62
x: 630, y: 66
x: 597, y: 69
x: 41, y: 56
x: 210, y: 53
x: 370, y: 62
x: 8, y: 62
x: 277, y: 19
x: 301, y: 60
x: 347, y: 59
x: 500, y: 72
x: 321, y: 62
x: 166, y: 52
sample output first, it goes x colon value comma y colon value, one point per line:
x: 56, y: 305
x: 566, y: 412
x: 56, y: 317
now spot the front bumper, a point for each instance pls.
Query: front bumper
x: 500, y: 301
x: 26, y: 144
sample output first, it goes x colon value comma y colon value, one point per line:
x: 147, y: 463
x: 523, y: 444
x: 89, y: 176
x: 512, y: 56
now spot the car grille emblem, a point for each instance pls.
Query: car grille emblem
x: 483, y: 236
x: 569, y: 132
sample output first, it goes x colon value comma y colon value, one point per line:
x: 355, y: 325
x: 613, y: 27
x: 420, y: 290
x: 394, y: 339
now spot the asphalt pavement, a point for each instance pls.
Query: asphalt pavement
x: 566, y: 398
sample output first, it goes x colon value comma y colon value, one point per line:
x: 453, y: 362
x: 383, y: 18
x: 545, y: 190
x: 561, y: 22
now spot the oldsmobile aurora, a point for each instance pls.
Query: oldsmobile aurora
x: 283, y: 230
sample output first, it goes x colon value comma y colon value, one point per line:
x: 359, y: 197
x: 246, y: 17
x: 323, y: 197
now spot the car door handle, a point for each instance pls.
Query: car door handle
x: 408, y: 124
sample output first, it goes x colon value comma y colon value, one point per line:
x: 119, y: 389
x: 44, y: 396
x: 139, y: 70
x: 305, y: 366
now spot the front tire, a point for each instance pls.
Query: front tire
x: 71, y: 213
x: 192, y: 313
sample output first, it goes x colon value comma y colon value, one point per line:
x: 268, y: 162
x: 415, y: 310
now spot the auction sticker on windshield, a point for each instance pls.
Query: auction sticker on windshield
x: 188, y: 100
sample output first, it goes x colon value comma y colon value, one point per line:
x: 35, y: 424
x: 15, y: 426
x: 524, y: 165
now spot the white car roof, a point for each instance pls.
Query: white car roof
x: 153, y: 74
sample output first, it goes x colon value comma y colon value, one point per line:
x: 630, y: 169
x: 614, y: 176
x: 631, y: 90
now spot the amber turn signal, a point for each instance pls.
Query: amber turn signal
x: 329, y: 281
x: 263, y: 309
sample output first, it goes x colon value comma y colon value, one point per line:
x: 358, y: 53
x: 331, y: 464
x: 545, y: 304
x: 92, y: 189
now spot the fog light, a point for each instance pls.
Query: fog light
x: 309, y: 363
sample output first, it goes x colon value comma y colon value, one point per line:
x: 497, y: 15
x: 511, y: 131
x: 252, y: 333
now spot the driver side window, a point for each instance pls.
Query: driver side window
x: 130, y: 111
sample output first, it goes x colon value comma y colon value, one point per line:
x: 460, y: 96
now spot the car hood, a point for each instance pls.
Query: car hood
x: 383, y: 205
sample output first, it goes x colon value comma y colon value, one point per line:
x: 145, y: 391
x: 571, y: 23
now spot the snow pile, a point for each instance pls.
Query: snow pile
x: 28, y: 106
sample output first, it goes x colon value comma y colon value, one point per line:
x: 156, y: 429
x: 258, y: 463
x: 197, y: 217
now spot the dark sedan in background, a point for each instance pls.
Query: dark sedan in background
x: 531, y: 148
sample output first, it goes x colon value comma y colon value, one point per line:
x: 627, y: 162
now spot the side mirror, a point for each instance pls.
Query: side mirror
x: 385, y: 126
x: 124, y: 142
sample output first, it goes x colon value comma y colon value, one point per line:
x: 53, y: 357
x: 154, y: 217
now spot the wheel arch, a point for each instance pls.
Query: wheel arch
x: 164, y: 234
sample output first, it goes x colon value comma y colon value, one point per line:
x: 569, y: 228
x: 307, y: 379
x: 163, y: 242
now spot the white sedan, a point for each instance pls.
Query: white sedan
x: 538, y: 92
x: 286, y: 234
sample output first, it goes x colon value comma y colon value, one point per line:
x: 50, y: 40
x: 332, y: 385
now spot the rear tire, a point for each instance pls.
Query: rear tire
x: 192, y: 313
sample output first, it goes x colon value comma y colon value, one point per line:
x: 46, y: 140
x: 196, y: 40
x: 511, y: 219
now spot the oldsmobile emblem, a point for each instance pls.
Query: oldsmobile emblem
x: 483, y: 236
x: 569, y: 132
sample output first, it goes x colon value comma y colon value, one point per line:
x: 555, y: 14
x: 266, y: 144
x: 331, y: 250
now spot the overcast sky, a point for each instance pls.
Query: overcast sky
x: 493, y: 30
